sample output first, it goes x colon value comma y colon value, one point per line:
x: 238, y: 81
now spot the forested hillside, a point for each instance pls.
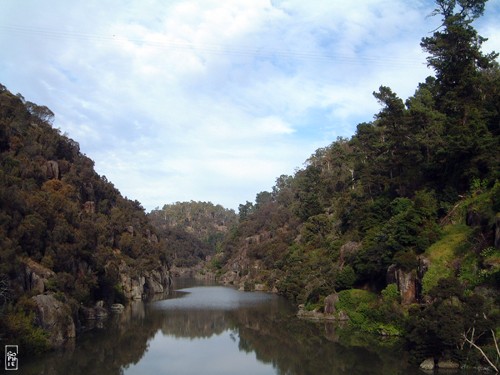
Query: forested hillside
x: 195, y: 230
x: 67, y: 237
x: 397, y: 228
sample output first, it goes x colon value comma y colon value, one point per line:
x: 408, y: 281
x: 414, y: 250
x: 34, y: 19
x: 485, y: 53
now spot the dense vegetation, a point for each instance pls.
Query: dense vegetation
x: 399, y: 225
x: 194, y: 230
x: 414, y: 195
x: 64, y: 229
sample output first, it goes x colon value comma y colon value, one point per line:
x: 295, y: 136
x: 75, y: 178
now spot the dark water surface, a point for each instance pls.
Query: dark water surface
x: 215, y: 330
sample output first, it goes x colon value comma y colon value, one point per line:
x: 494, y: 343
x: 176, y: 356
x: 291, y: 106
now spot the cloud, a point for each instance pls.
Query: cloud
x: 210, y: 100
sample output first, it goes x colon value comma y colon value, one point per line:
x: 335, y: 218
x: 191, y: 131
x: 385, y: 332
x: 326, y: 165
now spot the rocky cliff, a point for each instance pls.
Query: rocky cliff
x: 71, y: 245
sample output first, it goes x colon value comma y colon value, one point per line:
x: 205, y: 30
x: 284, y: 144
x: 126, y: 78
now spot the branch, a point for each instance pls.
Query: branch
x: 496, y: 343
x: 481, y: 351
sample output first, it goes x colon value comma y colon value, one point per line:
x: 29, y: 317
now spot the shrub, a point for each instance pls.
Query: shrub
x: 19, y: 327
x: 391, y: 294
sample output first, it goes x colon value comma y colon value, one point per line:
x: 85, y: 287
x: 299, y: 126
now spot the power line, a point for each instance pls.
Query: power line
x: 217, y: 49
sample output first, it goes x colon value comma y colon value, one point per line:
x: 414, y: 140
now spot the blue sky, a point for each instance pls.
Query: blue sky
x: 213, y: 100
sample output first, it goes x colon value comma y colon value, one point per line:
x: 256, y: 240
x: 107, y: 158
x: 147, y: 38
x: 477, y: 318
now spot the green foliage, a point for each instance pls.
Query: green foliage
x: 441, y: 255
x: 350, y: 300
x: 419, y: 181
x: 371, y: 314
x: 406, y: 260
x: 195, y: 230
x: 416, y: 188
x: 390, y: 294
x: 18, y: 326
x: 346, y: 278
x: 436, y: 329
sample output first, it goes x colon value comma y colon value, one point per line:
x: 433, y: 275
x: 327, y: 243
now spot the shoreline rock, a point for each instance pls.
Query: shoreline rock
x: 316, y: 315
x: 55, y: 317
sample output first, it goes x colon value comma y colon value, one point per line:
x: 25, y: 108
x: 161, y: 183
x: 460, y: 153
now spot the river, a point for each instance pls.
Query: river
x: 209, y: 329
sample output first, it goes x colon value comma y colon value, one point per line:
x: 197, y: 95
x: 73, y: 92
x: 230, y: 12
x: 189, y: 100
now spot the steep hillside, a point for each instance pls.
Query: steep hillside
x: 200, y: 226
x: 68, y: 239
x: 404, y: 213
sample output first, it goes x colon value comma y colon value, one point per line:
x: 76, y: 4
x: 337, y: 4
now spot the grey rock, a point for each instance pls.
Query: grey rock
x: 427, y: 364
x: 330, y: 302
x: 448, y: 365
x: 55, y: 317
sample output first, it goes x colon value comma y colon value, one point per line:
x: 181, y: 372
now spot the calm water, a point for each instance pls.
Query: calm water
x: 202, y: 329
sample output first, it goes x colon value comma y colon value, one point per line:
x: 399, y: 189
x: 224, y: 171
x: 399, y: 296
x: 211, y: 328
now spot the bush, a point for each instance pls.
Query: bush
x: 19, y: 327
x: 391, y: 294
x: 345, y: 278
x: 370, y: 314
x: 406, y: 260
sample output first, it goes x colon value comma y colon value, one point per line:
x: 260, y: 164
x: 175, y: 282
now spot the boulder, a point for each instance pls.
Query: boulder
x: 330, y: 302
x: 447, y: 364
x: 55, y: 317
x: 428, y: 364
x: 35, y: 276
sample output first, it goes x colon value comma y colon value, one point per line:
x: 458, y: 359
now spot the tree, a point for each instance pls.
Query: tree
x: 461, y: 67
x: 455, y: 51
x: 244, y: 210
x: 263, y: 198
x: 40, y: 112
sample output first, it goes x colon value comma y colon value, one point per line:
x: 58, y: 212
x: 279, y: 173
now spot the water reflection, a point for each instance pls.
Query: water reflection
x: 217, y: 330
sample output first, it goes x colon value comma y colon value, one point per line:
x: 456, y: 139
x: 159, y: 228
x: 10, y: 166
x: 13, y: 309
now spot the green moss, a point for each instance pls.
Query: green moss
x: 441, y: 254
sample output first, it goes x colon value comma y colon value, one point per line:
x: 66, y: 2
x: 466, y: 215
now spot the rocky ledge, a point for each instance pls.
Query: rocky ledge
x: 330, y: 312
x: 62, y: 322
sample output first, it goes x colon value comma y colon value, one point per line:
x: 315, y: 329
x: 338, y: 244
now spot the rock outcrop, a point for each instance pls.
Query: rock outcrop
x: 138, y: 285
x: 55, y: 317
x: 446, y: 364
x: 406, y: 281
x: 52, y: 170
x: 35, y: 276
x: 330, y: 302
x: 409, y: 283
x: 330, y: 312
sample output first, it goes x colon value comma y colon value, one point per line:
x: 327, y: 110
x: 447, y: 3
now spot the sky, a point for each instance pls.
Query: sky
x: 212, y: 100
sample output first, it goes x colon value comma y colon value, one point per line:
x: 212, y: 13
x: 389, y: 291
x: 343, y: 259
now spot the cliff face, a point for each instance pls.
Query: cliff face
x: 68, y: 239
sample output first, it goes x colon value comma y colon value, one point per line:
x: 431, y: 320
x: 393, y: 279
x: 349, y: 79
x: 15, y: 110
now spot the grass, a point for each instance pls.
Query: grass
x: 442, y: 253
